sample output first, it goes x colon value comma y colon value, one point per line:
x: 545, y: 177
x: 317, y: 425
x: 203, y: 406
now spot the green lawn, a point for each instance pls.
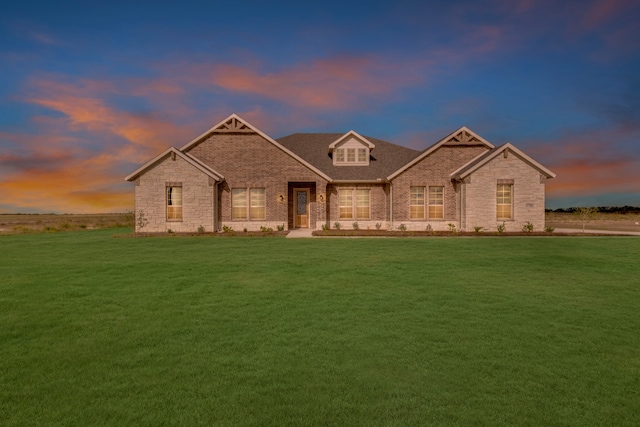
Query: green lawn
x: 97, y: 330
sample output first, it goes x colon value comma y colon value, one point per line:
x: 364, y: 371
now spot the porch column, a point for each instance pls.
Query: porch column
x: 321, y: 204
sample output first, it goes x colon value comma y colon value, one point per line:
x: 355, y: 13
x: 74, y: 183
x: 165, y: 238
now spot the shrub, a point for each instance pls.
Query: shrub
x: 378, y: 225
x: 549, y: 229
x: 478, y: 229
x: 170, y: 231
x: 266, y: 229
x: 201, y: 229
x: 527, y: 228
x: 227, y: 229
x: 452, y: 228
x: 244, y: 230
x: 141, y: 220
x: 502, y: 227
x: 402, y: 228
x: 337, y: 225
x: 356, y: 226
x: 325, y: 227
x: 281, y: 227
x: 429, y: 228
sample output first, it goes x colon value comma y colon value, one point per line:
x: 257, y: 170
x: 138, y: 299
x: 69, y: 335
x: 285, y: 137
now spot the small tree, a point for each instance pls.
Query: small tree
x: 585, y: 215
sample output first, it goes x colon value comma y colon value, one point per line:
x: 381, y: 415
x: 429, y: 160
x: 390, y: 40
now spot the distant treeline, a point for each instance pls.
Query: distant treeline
x: 604, y: 209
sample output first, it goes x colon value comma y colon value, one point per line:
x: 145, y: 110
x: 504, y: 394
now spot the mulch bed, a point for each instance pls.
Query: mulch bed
x: 394, y: 233
x: 222, y: 234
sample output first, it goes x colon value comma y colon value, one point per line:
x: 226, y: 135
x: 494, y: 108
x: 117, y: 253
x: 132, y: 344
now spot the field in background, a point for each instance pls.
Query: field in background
x: 50, y: 223
x: 98, y: 330
x: 600, y: 221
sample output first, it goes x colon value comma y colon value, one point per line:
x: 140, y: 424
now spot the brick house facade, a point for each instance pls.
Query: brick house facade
x: 234, y: 175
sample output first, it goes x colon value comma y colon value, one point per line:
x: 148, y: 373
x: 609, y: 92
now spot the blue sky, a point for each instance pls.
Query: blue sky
x: 91, y: 90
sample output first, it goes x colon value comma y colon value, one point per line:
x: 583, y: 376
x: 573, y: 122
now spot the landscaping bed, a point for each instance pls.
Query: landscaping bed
x: 397, y: 233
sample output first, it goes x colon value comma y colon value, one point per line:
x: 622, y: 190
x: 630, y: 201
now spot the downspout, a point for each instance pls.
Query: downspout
x: 463, y: 208
x: 215, y: 207
x: 390, y: 205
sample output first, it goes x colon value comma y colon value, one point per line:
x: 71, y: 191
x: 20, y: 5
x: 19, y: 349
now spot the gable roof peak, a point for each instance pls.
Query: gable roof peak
x: 351, y: 133
x: 484, y: 158
x: 460, y: 136
x: 235, y: 124
x: 176, y: 153
x: 465, y: 136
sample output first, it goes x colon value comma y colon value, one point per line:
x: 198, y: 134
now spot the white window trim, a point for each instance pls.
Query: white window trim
x: 342, y: 151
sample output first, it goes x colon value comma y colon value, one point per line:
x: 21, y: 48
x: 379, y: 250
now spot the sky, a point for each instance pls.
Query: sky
x: 91, y: 90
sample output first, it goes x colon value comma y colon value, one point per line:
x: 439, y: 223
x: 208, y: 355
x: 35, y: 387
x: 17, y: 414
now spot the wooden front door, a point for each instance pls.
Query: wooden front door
x: 301, y: 208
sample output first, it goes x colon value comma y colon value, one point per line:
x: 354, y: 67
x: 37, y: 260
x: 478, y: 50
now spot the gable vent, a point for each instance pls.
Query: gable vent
x: 233, y: 125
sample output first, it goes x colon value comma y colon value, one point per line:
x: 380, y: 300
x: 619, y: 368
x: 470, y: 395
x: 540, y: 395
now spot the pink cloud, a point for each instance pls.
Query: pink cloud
x: 336, y: 83
x: 583, y: 177
x: 601, y: 12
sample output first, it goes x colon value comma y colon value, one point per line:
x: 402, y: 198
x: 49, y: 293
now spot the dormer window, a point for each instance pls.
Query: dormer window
x: 351, y: 156
x: 351, y: 150
x: 362, y: 155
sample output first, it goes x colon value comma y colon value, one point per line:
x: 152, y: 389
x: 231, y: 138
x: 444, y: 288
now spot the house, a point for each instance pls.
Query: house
x: 237, y: 176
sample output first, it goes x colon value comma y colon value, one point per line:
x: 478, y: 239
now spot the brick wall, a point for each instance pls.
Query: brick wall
x: 197, y: 197
x: 250, y: 161
x: 379, y: 206
x: 434, y: 170
x: 528, y: 195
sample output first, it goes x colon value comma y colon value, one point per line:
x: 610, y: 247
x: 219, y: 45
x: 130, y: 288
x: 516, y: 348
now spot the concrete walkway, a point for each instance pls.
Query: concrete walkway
x: 297, y: 233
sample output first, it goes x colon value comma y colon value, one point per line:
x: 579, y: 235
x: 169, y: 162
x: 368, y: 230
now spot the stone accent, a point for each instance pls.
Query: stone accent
x: 527, y: 195
x: 197, y: 197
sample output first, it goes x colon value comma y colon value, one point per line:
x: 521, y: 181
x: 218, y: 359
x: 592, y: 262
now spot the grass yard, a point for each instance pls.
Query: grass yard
x: 96, y: 330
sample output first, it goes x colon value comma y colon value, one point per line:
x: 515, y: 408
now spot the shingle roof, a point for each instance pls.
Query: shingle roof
x: 314, y: 148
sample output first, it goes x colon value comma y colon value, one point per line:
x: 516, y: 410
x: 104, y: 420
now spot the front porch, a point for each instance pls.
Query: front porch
x: 306, y: 205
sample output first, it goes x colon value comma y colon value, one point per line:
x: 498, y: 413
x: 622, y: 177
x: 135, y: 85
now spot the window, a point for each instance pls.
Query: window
x: 351, y: 155
x: 362, y: 204
x: 362, y: 155
x: 257, y: 203
x: 248, y: 204
x: 503, y: 201
x: 416, y: 203
x: 436, y: 202
x: 174, y: 203
x: 362, y: 207
x: 345, y: 199
x: 239, y: 203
